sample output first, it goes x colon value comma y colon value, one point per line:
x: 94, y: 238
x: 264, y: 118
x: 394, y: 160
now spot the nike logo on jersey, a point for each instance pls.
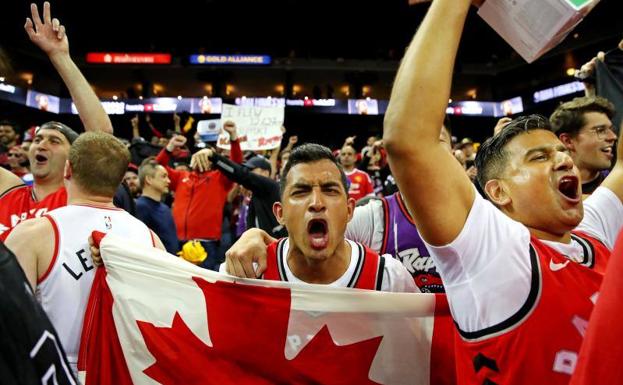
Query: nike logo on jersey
x: 553, y: 266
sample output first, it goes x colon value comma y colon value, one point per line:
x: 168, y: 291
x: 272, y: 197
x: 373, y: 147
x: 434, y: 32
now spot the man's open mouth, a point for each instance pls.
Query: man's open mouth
x: 568, y: 186
x: 318, y: 232
x: 40, y: 158
x: 608, y: 151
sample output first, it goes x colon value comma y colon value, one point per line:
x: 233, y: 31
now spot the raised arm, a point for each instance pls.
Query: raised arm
x: 433, y: 183
x: 49, y: 35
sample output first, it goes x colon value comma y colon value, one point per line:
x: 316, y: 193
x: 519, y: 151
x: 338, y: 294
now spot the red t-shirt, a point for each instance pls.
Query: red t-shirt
x: 360, y: 184
x: 19, y: 204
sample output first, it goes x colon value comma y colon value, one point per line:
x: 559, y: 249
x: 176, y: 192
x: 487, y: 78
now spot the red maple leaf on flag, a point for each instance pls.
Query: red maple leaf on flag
x: 248, y: 328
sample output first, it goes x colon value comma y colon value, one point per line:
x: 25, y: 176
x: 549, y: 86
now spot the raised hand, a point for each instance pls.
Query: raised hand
x: 134, y: 121
x: 350, y: 140
x: 230, y: 128
x: 48, y: 34
x: 201, y: 160
x: 176, y: 141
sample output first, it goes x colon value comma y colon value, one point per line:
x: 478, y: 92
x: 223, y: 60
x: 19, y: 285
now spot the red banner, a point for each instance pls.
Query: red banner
x: 128, y: 58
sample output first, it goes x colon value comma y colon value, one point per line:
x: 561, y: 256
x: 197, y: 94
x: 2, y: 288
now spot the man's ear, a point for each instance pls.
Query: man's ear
x: 497, y: 192
x: 567, y: 140
x: 67, y: 171
x: 351, y: 208
x: 278, y: 212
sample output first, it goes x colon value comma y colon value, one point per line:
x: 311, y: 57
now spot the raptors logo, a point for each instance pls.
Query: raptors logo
x: 423, y: 270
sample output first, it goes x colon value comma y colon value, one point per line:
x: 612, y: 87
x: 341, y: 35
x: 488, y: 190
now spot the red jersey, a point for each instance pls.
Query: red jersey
x: 360, y: 184
x: 19, y: 204
x: 368, y: 275
x: 540, y: 343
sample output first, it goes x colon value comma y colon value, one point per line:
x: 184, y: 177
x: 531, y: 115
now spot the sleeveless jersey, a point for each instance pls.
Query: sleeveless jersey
x: 540, y: 343
x: 367, y: 275
x: 63, y: 290
x: 402, y: 240
x: 19, y: 204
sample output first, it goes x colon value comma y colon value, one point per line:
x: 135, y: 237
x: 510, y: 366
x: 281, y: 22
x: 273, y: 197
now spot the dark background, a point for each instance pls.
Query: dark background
x: 342, y: 49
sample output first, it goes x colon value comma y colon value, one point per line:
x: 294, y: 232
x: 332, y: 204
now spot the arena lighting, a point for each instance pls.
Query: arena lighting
x: 128, y: 58
x: 556, y: 92
x: 219, y: 59
x: 7, y: 87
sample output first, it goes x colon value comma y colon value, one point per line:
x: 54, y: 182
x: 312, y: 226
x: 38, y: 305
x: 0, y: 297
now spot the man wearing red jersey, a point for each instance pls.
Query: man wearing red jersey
x: 522, y: 270
x: 360, y: 184
x: 49, y: 150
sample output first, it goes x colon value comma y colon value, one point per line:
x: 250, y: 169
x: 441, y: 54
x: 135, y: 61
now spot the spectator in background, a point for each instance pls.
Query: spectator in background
x: 131, y: 180
x: 584, y: 126
x: 467, y: 146
x: 360, y: 184
x: 154, y: 181
x: 8, y: 138
x: 254, y: 176
x: 200, y: 195
x: 18, y: 163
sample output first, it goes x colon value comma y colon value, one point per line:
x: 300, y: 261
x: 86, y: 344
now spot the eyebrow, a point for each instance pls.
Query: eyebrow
x: 309, y: 184
x: 558, y: 147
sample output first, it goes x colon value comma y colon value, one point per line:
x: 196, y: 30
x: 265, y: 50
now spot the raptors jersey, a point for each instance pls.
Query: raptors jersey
x: 63, y: 290
x: 19, y: 204
x: 367, y: 275
x: 506, y: 353
x: 402, y: 240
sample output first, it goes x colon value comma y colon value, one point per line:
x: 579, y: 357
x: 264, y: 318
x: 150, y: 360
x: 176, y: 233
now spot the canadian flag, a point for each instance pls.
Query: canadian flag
x: 156, y: 319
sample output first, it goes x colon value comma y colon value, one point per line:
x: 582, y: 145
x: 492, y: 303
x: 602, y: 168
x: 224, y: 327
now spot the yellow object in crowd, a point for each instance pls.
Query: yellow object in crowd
x: 193, y: 252
x: 188, y: 125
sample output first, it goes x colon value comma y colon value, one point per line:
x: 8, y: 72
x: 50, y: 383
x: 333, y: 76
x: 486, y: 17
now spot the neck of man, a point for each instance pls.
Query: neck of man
x: 43, y: 187
x: 150, y: 192
x: 348, y: 168
x: 76, y: 196
x: 587, y: 176
x: 319, y: 271
x: 547, y: 236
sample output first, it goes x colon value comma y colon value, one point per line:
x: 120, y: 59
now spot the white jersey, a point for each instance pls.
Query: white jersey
x: 63, y: 290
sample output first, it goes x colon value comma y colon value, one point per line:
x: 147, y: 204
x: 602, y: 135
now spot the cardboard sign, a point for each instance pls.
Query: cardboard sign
x: 533, y: 27
x: 259, y: 128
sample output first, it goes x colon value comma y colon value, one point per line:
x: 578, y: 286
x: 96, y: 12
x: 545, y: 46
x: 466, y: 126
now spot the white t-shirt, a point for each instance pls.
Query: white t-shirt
x: 368, y: 225
x: 486, y: 270
x: 396, y: 277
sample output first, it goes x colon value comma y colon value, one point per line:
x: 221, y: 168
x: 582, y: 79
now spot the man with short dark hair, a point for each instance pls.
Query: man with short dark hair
x: 154, y: 181
x: 522, y: 270
x: 584, y: 126
x: 315, y: 209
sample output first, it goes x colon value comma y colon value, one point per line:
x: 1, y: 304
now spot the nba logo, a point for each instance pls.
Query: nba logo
x: 108, y: 222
